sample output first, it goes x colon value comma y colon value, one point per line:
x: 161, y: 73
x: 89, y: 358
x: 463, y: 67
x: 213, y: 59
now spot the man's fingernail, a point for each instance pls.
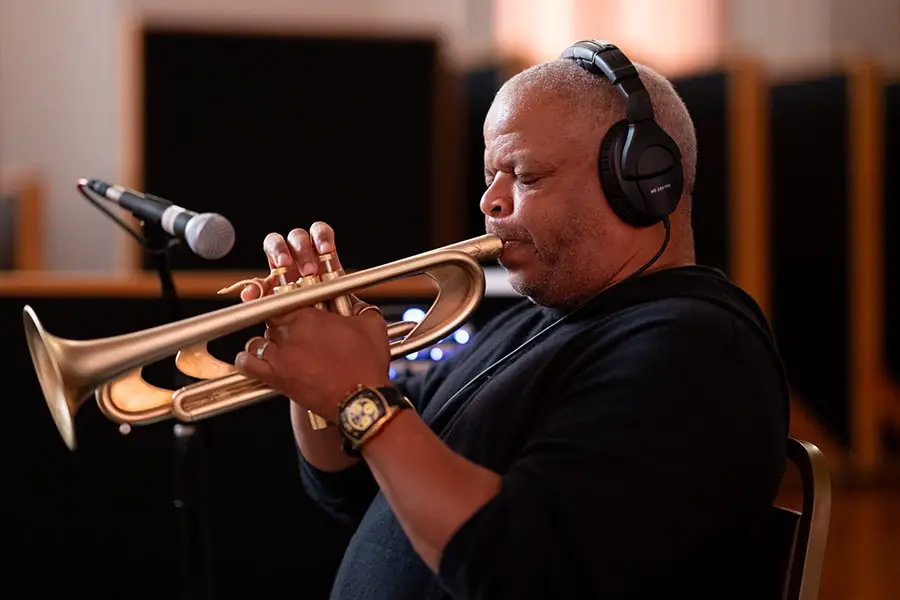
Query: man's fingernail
x: 282, y: 260
x: 326, y: 246
x: 308, y: 268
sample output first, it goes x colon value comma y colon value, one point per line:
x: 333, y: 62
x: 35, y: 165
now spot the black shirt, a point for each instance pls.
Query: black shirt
x: 640, y: 441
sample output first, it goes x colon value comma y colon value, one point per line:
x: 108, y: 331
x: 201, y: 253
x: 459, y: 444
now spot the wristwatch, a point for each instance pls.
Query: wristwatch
x: 365, y: 411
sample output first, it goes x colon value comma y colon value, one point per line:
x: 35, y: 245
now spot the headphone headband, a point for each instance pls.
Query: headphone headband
x: 603, y: 58
x: 639, y: 164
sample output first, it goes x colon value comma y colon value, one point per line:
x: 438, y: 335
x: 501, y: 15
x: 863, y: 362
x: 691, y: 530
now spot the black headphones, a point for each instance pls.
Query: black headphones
x: 640, y: 165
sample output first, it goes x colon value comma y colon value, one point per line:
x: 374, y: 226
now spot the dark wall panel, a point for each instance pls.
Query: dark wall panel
x: 481, y: 85
x: 809, y: 191
x: 277, y: 132
x: 102, y: 518
x: 706, y: 98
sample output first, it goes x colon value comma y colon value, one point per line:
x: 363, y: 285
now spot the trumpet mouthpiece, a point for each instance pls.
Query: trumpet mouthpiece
x: 485, y: 247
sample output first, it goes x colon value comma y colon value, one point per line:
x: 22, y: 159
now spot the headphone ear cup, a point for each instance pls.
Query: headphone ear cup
x: 608, y: 167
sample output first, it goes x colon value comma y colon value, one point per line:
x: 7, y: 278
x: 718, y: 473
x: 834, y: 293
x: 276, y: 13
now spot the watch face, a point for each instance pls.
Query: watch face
x: 361, y: 413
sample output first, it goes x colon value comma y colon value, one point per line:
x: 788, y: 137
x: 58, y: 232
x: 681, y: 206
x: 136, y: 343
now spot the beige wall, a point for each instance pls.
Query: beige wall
x: 58, y: 112
x: 672, y: 36
x: 676, y: 36
x: 61, y: 72
x: 798, y: 34
x: 61, y: 67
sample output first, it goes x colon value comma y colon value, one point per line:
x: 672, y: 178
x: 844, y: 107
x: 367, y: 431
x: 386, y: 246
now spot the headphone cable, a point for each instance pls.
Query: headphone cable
x: 487, y: 370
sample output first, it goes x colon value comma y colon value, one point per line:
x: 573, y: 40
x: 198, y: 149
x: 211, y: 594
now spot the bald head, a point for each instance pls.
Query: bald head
x: 593, y: 105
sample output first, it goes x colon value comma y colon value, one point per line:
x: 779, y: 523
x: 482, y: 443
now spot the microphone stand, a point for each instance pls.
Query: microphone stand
x: 195, y: 568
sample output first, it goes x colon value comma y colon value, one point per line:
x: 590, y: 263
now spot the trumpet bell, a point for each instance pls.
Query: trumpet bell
x: 62, y: 394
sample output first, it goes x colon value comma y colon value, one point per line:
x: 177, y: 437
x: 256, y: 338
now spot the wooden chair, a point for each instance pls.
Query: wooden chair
x: 792, y: 550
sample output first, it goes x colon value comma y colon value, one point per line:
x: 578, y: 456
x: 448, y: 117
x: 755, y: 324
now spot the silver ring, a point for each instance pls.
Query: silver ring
x: 261, y: 349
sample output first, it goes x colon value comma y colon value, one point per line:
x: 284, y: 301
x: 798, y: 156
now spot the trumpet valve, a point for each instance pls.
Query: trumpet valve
x: 328, y: 262
x: 308, y: 280
x: 281, y: 282
x: 317, y: 422
x: 340, y: 304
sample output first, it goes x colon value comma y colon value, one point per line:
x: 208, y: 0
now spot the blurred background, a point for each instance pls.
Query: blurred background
x: 367, y: 114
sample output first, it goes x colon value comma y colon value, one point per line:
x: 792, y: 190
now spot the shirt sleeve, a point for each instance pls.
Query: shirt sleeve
x: 346, y: 495
x: 621, y: 488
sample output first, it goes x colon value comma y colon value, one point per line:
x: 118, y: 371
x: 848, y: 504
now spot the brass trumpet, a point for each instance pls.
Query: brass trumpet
x: 70, y: 370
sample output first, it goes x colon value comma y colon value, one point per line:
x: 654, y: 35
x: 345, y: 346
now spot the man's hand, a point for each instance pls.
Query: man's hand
x: 315, y: 357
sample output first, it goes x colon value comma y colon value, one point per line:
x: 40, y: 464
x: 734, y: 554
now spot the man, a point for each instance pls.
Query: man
x: 617, y: 434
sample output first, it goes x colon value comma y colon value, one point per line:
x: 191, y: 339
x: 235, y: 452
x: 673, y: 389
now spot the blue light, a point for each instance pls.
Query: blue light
x: 414, y: 314
x: 392, y: 372
x: 412, y: 356
x: 437, y: 354
x: 461, y: 336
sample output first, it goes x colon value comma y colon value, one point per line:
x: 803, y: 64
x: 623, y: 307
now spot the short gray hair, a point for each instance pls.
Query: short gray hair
x: 598, y: 104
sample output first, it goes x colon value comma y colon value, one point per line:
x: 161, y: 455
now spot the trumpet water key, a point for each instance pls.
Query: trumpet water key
x: 69, y: 371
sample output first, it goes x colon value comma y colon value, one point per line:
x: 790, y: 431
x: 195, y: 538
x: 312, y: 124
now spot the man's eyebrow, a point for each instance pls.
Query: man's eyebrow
x: 509, y: 161
x: 541, y: 165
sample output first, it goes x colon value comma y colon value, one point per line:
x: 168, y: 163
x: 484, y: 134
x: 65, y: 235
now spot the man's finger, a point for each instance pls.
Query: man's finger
x: 256, y: 359
x: 249, y: 346
x: 251, y: 292
x: 304, y: 251
x: 289, y: 318
x: 323, y: 237
x: 278, y: 253
x: 277, y: 334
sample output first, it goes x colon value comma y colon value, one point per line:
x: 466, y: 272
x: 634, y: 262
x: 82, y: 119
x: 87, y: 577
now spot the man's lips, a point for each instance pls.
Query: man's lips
x: 512, y: 248
x: 513, y: 241
x: 510, y: 237
x: 508, y: 242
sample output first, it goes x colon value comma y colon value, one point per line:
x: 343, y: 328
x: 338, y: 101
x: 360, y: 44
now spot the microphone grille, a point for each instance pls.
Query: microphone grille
x: 210, y: 235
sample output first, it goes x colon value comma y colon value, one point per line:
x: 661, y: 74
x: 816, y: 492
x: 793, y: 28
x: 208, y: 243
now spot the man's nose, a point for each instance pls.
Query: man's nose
x: 496, y: 201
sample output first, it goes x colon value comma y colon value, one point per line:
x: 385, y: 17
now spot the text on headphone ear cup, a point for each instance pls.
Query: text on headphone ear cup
x: 662, y: 192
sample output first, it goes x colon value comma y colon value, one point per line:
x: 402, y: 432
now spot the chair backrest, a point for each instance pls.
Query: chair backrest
x: 792, y: 549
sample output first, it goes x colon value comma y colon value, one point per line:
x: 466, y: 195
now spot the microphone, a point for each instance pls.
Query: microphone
x: 208, y: 235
